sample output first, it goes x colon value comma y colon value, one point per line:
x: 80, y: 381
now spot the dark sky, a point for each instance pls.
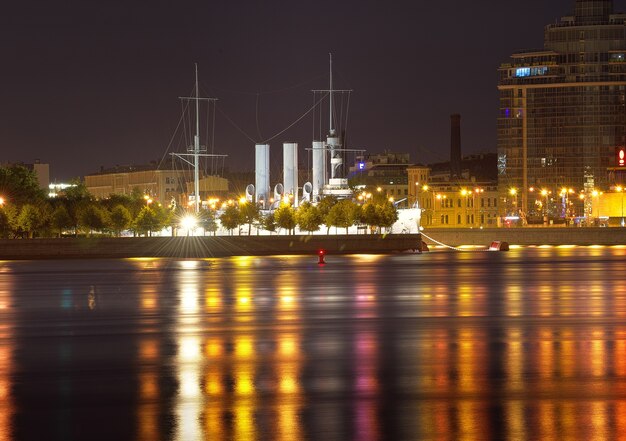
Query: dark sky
x: 86, y: 84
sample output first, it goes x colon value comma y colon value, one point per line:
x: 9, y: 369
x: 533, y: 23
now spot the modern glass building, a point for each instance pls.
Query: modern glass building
x: 562, y: 111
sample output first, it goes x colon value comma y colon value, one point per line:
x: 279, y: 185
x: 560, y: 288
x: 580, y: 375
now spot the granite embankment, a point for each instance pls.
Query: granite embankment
x: 526, y: 236
x: 207, y: 246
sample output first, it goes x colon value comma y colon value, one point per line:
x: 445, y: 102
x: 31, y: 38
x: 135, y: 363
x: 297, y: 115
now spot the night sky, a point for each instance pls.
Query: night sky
x: 88, y: 84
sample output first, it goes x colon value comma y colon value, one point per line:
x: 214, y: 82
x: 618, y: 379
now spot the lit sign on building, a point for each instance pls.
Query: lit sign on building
x: 530, y: 71
x: 620, y: 153
x: 361, y: 165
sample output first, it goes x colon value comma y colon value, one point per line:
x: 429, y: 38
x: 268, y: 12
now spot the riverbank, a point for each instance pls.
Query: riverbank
x: 204, y: 246
x: 526, y: 236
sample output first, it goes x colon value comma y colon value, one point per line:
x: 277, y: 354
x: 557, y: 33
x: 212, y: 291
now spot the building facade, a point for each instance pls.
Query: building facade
x: 562, y: 110
x: 387, y: 171
x: 448, y: 200
x: 161, y: 185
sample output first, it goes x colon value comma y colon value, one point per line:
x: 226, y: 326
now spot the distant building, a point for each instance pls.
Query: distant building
x: 449, y: 200
x: 161, y: 185
x: 42, y: 171
x: 387, y: 170
x: 563, y: 109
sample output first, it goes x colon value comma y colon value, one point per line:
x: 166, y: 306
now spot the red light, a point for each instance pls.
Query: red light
x: 621, y: 156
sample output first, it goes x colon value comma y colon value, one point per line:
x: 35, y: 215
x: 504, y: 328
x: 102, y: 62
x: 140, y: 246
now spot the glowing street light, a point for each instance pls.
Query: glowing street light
x: 189, y: 223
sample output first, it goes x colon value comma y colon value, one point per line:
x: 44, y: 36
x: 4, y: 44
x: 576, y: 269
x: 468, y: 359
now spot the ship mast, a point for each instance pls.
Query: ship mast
x: 196, y: 149
x: 330, y: 91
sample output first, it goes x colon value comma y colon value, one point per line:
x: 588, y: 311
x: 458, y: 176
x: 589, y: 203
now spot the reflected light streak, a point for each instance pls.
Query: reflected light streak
x: 188, y: 400
x: 515, y: 360
x: 148, y: 378
x: 7, y: 340
x: 244, y: 305
x: 597, y: 354
x: 288, y: 305
x: 598, y: 430
x: 516, y: 424
x: 547, y: 420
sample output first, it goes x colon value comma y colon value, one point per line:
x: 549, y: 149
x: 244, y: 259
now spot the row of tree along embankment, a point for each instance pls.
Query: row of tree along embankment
x: 526, y: 236
x: 204, y: 246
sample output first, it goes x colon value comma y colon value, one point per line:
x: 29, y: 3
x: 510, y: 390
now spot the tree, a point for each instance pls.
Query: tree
x: 208, y: 222
x: 91, y: 217
x: 120, y: 219
x: 20, y: 186
x: 387, y: 214
x: 324, y: 206
x: 60, y: 219
x: 249, y: 213
x: 77, y: 191
x: 342, y: 214
x: 30, y: 220
x: 308, y: 217
x: 147, y: 221
x: 285, y: 217
x: 7, y: 220
x: 230, y: 218
x: 269, y: 224
x: 380, y: 214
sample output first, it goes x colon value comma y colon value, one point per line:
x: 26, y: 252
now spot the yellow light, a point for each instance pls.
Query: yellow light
x: 391, y: 199
x: 531, y: 189
x: 595, y: 193
x: 544, y: 192
x: 1, y: 201
x: 618, y: 188
x: 425, y: 187
x: 581, y: 196
x: 513, y: 191
x: 438, y: 196
x: 189, y: 222
x: 464, y: 192
x: 242, y: 200
x: 379, y: 189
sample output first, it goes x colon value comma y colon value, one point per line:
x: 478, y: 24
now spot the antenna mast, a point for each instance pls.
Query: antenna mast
x: 330, y: 90
x: 196, y: 149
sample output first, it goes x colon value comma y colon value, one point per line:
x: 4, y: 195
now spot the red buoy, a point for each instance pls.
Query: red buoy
x: 320, y: 255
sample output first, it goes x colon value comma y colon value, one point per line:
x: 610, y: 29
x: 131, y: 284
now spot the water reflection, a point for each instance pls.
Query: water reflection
x: 526, y: 345
x: 6, y: 354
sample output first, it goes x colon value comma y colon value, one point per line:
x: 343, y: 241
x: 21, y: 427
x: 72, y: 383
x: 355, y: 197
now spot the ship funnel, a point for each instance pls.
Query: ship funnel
x: 290, y: 169
x: 319, y: 168
x: 262, y: 174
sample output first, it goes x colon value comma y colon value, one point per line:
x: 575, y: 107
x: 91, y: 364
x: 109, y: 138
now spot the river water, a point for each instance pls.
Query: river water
x: 524, y: 345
